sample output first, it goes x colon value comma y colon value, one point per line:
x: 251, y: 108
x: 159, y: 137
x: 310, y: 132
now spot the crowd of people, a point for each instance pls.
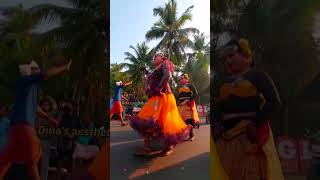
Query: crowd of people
x: 67, y: 148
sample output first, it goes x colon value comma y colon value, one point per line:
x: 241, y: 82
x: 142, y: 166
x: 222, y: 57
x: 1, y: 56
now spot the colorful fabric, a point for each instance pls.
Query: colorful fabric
x: 117, y: 93
x: 189, y: 111
x: 217, y: 171
x: 116, y: 108
x: 154, y: 79
x: 247, y: 101
x: 23, y: 147
x: 99, y: 169
x: 160, y: 119
x: 274, y: 169
x: 239, y: 149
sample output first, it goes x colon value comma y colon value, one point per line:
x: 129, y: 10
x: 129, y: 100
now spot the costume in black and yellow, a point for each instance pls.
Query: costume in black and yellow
x: 187, y: 94
x: 187, y: 107
x: 245, y: 101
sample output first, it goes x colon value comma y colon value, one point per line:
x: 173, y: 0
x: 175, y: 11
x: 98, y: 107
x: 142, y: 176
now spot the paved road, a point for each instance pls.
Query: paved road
x: 189, y: 161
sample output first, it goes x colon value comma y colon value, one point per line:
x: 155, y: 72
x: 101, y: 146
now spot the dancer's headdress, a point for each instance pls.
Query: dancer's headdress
x: 186, y: 76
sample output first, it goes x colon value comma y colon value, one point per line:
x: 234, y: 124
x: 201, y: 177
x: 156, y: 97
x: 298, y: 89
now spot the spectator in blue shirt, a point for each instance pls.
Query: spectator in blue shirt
x: 117, y: 106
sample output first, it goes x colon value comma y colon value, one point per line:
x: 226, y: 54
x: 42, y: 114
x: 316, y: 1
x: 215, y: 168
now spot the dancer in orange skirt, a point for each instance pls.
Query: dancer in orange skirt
x: 117, y: 106
x: 159, y: 118
x: 247, y: 98
x: 187, y: 106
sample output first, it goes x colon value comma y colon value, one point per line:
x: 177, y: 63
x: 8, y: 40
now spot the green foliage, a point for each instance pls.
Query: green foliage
x: 170, y: 29
x: 174, y: 41
x: 79, y: 37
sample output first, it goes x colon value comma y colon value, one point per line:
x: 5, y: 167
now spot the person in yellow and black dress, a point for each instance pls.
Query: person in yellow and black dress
x: 242, y: 135
x: 187, y: 94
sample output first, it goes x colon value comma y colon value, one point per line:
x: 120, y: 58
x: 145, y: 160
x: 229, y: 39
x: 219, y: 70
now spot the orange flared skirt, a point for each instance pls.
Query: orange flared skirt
x: 160, y: 119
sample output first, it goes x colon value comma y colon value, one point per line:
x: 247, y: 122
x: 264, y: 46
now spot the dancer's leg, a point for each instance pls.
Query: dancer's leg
x: 121, y: 119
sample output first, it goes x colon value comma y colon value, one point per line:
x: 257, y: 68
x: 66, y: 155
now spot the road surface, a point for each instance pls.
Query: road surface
x: 190, y: 160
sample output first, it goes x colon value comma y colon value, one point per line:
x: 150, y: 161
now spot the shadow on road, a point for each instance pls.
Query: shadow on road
x: 190, y: 160
x: 192, y: 169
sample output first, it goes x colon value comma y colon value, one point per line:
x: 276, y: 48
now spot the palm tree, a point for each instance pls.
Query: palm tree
x: 198, y: 65
x: 198, y: 72
x: 80, y: 35
x: 169, y: 28
x: 138, y: 63
x: 199, y: 44
x: 18, y: 44
x: 17, y: 25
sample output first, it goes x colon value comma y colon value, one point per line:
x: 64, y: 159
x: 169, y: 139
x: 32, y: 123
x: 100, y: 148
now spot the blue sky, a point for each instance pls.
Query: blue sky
x: 131, y: 19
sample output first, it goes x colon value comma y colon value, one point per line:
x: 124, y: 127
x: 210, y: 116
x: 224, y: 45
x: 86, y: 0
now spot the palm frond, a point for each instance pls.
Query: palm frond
x: 186, y: 16
x: 54, y: 13
x: 155, y: 33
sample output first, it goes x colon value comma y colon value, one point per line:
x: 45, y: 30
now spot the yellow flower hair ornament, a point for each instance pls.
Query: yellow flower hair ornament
x: 245, y: 47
